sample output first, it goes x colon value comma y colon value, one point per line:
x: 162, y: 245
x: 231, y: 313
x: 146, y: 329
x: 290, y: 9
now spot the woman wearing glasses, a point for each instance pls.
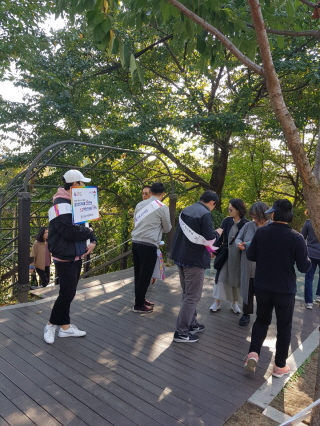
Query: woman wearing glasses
x: 227, y: 281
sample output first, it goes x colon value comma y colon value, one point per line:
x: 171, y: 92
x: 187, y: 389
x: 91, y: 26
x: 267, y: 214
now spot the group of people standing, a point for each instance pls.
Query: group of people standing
x: 254, y: 257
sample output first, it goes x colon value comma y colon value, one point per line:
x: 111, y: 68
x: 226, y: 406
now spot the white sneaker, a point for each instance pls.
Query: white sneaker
x: 309, y: 305
x: 235, y: 308
x: 72, y: 331
x: 49, y: 333
x: 317, y: 300
x: 215, y: 307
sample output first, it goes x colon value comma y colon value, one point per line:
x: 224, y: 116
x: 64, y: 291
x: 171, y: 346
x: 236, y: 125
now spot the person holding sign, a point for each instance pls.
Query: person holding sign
x: 191, y: 252
x: 68, y: 245
x: 151, y: 219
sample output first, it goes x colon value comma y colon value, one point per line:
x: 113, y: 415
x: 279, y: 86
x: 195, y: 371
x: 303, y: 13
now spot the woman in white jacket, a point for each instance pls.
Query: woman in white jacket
x: 247, y: 268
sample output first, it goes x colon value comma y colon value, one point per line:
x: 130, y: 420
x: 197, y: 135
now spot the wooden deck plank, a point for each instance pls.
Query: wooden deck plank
x: 122, y: 391
x: 9, y: 389
x: 80, y: 409
x: 58, y: 411
x: 3, y: 422
x: 87, y: 379
x: 35, y: 412
x: 11, y: 414
x: 127, y: 370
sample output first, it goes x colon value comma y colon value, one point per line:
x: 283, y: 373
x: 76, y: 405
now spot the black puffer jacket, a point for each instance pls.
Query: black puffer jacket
x: 66, y: 240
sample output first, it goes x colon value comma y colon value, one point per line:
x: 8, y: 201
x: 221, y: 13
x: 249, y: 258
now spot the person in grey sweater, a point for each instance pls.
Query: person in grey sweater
x: 314, y: 254
x: 151, y: 218
x: 248, y: 268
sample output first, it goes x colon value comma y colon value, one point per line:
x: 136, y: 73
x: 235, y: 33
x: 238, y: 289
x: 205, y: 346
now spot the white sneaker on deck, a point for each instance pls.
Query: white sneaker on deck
x: 49, y: 333
x: 72, y: 331
x: 235, y: 308
x: 215, y: 307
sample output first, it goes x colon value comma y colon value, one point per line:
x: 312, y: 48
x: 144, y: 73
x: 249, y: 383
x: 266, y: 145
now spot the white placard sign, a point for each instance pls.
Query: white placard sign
x: 84, y: 201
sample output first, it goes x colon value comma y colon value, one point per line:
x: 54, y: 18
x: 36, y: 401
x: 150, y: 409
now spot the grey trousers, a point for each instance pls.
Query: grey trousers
x: 191, y: 280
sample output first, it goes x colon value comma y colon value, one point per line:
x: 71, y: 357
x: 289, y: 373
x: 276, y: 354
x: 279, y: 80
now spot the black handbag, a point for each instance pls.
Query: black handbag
x: 221, y: 258
x: 222, y: 255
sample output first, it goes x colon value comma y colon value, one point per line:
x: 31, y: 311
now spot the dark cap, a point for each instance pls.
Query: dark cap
x: 280, y: 205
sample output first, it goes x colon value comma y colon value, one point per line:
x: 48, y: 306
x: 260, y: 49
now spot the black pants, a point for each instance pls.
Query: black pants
x: 144, y: 261
x: 247, y: 309
x: 69, y: 273
x: 44, y: 276
x: 284, y: 307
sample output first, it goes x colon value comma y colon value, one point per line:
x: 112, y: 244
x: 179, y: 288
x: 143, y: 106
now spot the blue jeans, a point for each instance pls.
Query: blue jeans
x: 308, y: 297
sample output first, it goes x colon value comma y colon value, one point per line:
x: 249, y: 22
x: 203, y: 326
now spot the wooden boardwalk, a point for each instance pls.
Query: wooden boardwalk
x: 127, y: 371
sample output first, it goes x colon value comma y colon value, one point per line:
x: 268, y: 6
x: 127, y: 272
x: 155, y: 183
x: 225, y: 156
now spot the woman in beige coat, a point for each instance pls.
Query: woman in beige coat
x: 42, y: 256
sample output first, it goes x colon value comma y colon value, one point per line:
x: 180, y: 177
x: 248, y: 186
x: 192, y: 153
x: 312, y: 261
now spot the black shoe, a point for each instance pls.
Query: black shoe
x: 144, y: 309
x: 180, y: 338
x: 148, y: 303
x: 198, y: 328
x: 244, y: 320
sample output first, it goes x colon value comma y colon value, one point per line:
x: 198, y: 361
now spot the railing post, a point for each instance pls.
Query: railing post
x: 22, y: 286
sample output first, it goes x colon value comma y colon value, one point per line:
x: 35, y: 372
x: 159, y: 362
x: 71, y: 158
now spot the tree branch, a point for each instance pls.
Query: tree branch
x: 309, y: 33
x: 221, y: 37
x: 309, y: 3
x: 196, y: 178
x: 181, y: 69
x: 136, y: 55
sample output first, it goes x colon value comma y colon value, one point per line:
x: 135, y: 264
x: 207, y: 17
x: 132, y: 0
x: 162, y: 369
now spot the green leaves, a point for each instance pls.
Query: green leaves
x: 124, y: 55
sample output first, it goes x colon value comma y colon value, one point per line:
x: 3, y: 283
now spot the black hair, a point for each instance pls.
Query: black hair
x: 208, y: 196
x: 157, y: 188
x: 67, y: 186
x: 146, y: 186
x: 39, y: 236
x: 257, y: 210
x: 239, y: 205
x: 283, y: 211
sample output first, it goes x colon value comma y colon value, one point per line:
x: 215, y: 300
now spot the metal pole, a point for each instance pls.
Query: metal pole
x: 24, y: 202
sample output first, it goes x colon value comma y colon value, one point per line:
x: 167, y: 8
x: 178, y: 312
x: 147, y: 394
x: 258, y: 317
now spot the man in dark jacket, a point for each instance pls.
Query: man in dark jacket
x: 67, y: 243
x: 275, y: 248
x: 194, y: 234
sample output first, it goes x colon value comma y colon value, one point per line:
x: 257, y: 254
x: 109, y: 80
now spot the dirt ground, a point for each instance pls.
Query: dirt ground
x: 297, y: 394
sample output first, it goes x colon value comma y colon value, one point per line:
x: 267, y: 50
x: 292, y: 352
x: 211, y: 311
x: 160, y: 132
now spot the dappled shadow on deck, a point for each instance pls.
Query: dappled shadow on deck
x: 127, y: 370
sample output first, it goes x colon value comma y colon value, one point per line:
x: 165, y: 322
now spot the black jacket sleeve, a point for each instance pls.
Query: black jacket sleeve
x: 301, y: 255
x: 64, y: 226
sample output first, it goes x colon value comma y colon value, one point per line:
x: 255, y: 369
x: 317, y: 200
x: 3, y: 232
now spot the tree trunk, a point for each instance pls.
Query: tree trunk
x: 219, y: 169
x: 311, y: 187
